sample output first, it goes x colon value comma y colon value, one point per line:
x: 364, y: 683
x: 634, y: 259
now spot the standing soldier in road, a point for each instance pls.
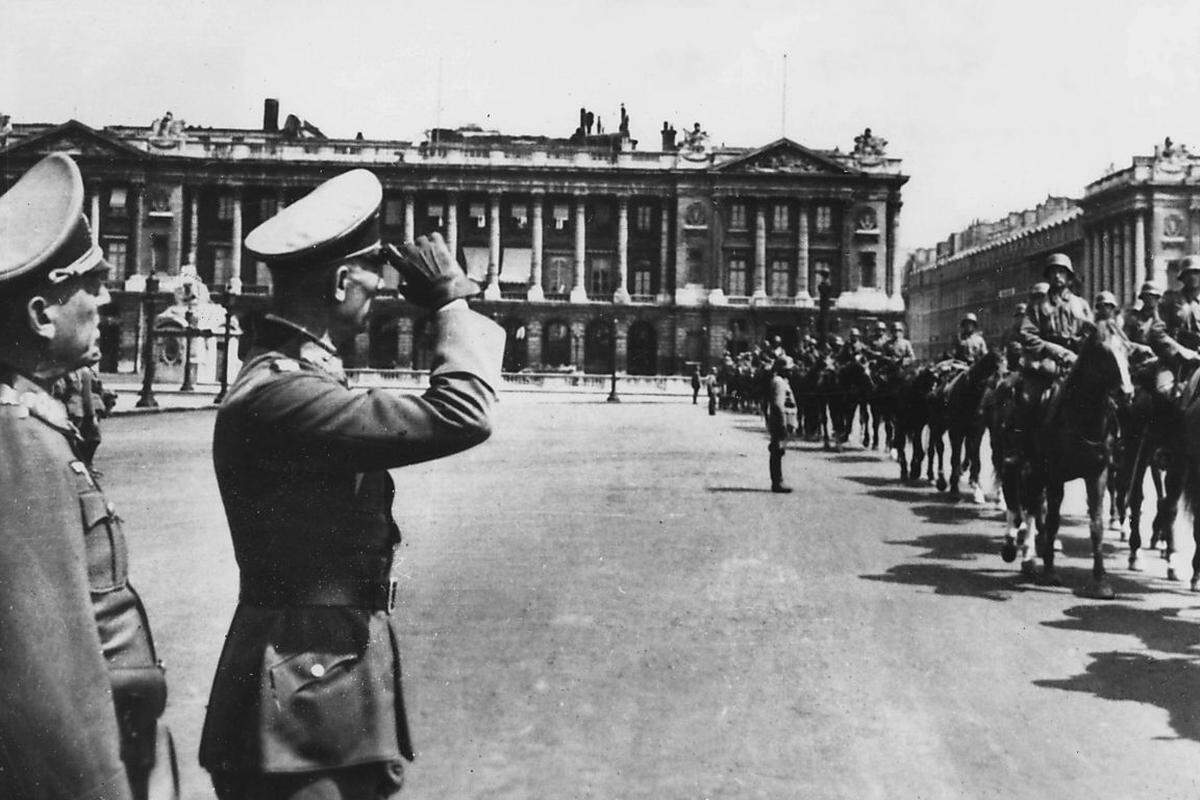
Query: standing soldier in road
x: 695, y: 384
x: 781, y: 419
x: 971, y: 345
x: 307, y: 701
x: 713, y: 388
x: 82, y: 690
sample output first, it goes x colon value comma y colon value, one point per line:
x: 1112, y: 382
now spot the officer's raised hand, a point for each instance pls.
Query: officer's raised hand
x: 430, y: 276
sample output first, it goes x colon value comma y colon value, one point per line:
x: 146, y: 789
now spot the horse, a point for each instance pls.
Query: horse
x: 914, y: 390
x: 1074, y: 439
x: 852, y: 382
x: 879, y: 407
x: 963, y: 419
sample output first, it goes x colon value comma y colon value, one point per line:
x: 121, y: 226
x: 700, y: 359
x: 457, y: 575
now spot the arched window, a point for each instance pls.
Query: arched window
x: 643, y: 349
x: 516, y: 346
x: 597, y: 347
x: 556, y: 345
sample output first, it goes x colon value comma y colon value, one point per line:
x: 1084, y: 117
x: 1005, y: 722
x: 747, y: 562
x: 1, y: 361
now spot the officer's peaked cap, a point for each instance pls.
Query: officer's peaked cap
x: 970, y: 317
x: 336, y: 221
x: 1151, y: 287
x: 1059, y: 261
x: 1041, y: 287
x: 43, y: 233
x: 1189, y: 264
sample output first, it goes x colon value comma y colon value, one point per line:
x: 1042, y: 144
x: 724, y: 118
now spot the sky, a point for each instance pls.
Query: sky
x: 991, y: 105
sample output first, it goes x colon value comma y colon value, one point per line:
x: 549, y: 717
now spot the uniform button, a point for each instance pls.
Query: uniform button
x: 317, y: 670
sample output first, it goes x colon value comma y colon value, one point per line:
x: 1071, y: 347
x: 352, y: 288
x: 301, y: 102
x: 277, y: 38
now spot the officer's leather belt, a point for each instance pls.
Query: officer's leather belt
x: 366, y: 594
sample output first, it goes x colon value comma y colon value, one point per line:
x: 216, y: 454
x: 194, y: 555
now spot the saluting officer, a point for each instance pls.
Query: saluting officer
x: 82, y: 690
x: 307, y: 698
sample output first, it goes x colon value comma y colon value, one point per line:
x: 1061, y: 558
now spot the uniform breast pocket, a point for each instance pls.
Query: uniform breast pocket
x: 315, y: 704
x: 104, y: 542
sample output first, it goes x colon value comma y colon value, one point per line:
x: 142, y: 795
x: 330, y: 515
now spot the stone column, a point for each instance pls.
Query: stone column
x: 851, y: 273
x: 452, y: 224
x: 621, y: 295
x: 889, y: 287
x: 578, y: 289
x: 94, y: 214
x: 176, y: 252
x: 1105, y: 261
x: 193, y: 225
x: 410, y: 218
x: 802, y: 296
x: 536, y: 292
x: 1139, y: 249
x: 664, y: 254
x: 235, y: 241
x: 139, y: 222
x: 760, y: 255
x: 1194, y: 226
x: 491, y: 290
x: 1128, y: 285
x: 1088, y: 260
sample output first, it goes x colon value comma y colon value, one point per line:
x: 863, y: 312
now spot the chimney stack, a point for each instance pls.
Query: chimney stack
x: 271, y: 115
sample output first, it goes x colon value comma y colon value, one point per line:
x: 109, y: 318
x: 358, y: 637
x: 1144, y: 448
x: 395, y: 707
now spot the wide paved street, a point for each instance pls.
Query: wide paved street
x: 605, y: 602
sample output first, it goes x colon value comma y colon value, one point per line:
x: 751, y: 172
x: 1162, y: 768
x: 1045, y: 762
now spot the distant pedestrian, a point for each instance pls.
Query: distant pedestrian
x: 713, y: 386
x: 695, y: 384
x: 781, y: 420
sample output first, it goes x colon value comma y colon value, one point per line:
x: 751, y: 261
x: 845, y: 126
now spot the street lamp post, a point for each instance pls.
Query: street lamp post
x: 146, y: 399
x: 232, y: 290
x: 189, y: 379
x: 612, y: 362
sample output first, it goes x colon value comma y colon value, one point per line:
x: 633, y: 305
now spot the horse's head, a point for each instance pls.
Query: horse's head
x: 1104, y: 353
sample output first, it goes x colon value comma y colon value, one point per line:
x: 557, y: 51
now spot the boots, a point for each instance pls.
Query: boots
x: 777, y: 486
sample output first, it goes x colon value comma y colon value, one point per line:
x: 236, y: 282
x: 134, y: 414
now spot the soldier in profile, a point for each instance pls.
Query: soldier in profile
x: 307, y: 699
x: 82, y: 689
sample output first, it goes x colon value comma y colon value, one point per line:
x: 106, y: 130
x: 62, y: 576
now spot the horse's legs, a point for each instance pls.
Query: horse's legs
x: 956, y: 444
x: 1099, y: 588
x: 973, y: 439
x: 1162, y: 489
x: 1137, y: 495
x: 898, y: 441
x: 1048, y: 530
x: 864, y: 422
x: 918, y: 451
x: 938, y: 447
x: 1168, y: 507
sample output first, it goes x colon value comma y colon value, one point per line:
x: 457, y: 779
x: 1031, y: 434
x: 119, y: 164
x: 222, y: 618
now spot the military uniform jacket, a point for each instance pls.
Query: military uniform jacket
x: 901, y: 350
x: 70, y: 624
x: 309, y: 677
x: 1053, y: 329
x: 1182, y: 319
x: 971, y: 349
x: 1149, y: 329
x: 781, y: 410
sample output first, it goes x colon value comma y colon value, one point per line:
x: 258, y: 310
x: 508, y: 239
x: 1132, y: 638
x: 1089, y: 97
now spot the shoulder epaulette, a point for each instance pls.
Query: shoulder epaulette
x: 285, y: 365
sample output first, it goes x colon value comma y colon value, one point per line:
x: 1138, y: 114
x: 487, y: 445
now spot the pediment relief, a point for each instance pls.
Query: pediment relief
x: 784, y: 157
x: 75, y: 139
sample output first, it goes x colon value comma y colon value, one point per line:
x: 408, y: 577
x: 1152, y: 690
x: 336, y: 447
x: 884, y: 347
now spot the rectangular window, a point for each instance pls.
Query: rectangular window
x: 159, y: 245
x: 561, y: 215
x: 737, y: 277
x: 737, y: 216
x: 824, y: 219
x: 437, y: 212
x: 819, y: 266
x: 266, y: 208
x: 643, y: 282
x: 600, y: 276
x: 116, y: 253
x: 780, y: 278
x: 393, y: 212
x: 644, y: 217
x: 779, y: 218
x: 225, y: 207
x: 222, y: 263
x: 601, y: 214
x: 866, y: 263
x: 520, y: 216
x: 478, y: 215
x: 117, y: 201
x: 558, y: 275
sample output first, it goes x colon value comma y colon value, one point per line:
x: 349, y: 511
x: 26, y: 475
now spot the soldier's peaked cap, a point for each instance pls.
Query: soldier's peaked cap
x: 1189, y: 264
x: 1059, y: 261
x: 336, y: 221
x: 43, y: 233
x: 970, y: 316
x: 1151, y: 287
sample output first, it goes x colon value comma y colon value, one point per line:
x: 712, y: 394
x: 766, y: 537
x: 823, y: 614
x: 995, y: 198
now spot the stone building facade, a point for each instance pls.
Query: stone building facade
x: 1131, y: 225
x: 590, y: 248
